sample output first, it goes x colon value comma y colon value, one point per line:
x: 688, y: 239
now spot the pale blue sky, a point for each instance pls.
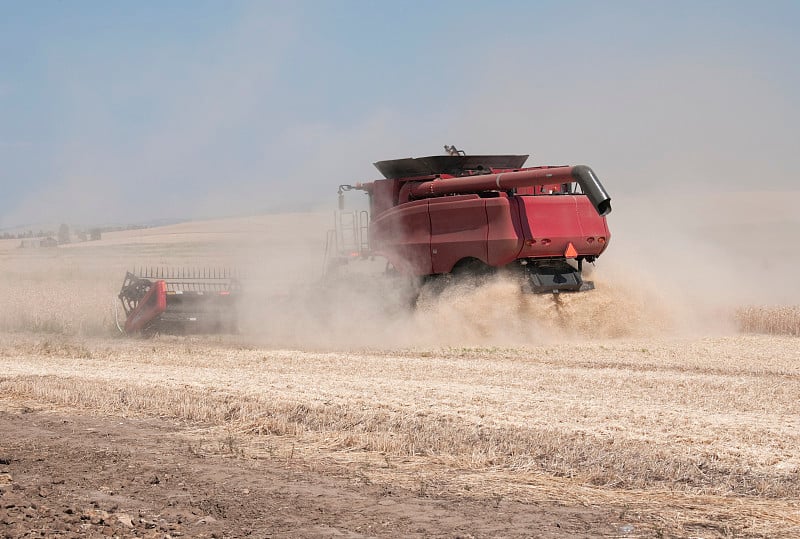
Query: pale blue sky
x: 124, y: 112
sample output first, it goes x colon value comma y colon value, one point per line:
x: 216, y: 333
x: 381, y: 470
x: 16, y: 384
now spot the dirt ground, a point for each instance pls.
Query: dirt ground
x: 76, y: 475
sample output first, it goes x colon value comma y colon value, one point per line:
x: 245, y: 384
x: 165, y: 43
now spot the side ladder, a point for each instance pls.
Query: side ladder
x: 348, y: 239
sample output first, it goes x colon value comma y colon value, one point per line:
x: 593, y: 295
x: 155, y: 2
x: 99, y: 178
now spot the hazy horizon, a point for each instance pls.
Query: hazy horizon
x: 129, y: 113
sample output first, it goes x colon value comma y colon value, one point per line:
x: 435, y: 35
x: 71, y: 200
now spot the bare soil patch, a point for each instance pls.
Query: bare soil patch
x: 76, y: 475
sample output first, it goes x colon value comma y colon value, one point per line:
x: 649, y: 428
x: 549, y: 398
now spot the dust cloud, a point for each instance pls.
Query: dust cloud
x: 676, y: 267
x: 679, y: 270
x: 373, y: 312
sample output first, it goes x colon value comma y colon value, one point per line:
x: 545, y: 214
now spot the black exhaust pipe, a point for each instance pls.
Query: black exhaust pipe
x: 592, y: 188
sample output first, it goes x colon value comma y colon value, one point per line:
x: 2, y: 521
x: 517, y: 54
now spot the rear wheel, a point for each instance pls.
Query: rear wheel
x: 471, y: 271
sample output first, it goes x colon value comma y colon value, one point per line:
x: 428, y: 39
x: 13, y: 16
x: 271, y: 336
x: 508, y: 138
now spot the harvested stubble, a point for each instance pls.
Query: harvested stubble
x: 714, y: 418
x: 769, y: 320
x: 706, y: 428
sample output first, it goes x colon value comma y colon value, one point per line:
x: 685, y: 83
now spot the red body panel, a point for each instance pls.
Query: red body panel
x: 384, y: 195
x: 550, y: 223
x: 151, y: 305
x: 505, y: 235
x: 431, y: 235
x: 403, y: 235
x: 458, y: 228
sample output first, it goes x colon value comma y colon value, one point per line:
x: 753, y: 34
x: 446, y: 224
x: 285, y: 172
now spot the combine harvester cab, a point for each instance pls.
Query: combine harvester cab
x: 178, y: 301
x: 459, y: 213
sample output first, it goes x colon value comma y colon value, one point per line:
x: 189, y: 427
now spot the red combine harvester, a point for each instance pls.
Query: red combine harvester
x: 459, y: 213
x: 159, y: 300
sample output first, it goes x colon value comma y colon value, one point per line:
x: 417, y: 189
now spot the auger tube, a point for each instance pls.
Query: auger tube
x: 582, y: 174
x: 593, y: 189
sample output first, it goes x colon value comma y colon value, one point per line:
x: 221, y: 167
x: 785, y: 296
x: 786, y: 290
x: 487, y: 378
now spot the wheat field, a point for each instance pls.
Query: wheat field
x: 602, y: 399
x: 770, y: 320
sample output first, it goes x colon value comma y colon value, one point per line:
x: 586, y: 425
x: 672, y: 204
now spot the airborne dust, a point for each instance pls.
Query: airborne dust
x: 665, y: 274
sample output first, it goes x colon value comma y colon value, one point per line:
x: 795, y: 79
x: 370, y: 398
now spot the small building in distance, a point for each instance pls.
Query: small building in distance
x: 49, y: 241
x: 35, y: 243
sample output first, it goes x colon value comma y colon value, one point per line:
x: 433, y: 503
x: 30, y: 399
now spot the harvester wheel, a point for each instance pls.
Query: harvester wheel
x: 471, y: 267
x: 470, y: 272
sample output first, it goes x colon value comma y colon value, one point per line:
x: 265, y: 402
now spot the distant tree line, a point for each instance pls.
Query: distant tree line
x: 65, y: 235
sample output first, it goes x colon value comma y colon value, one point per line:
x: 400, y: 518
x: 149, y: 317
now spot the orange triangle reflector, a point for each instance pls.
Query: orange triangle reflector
x: 571, y: 252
